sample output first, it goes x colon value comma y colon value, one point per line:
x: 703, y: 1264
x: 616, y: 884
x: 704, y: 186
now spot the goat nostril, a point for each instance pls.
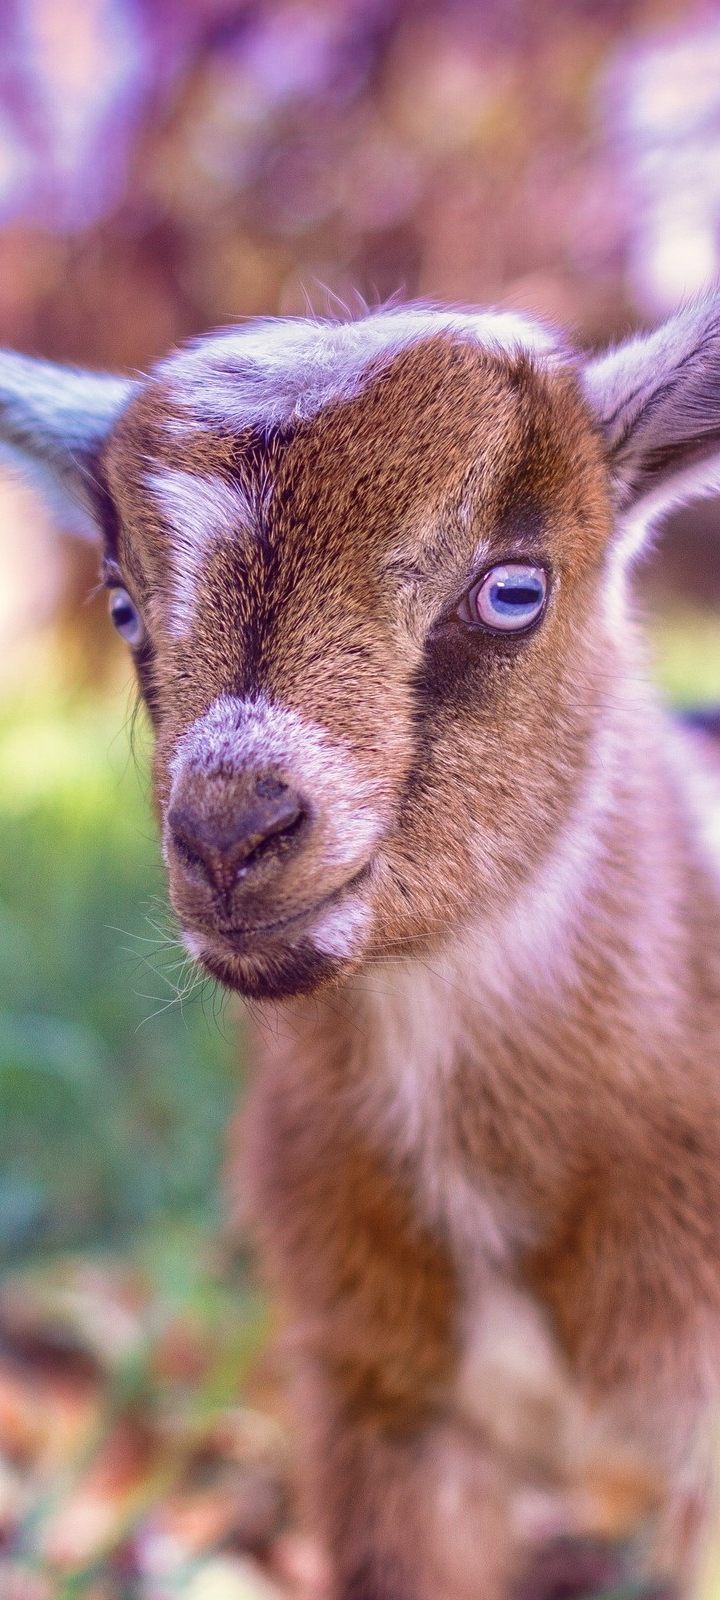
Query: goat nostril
x: 184, y: 833
x: 190, y: 857
x: 281, y: 820
x: 270, y: 788
x: 227, y: 844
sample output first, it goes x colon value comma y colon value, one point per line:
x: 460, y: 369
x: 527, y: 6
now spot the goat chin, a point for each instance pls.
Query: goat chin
x: 277, y: 973
x: 376, y: 580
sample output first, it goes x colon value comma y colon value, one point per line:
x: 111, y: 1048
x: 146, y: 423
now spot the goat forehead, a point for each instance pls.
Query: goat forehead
x: 284, y: 370
x: 254, y: 533
x: 440, y: 410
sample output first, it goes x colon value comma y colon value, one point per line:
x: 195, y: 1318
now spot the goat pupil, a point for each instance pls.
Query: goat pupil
x: 514, y: 595
x: 125, y: 617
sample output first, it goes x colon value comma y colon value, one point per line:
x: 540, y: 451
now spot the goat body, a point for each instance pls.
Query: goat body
x: 467, y: 864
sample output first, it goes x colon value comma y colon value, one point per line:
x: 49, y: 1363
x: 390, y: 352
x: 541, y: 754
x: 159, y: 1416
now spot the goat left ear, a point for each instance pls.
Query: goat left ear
x: 657, y: 400
x: 54, y: 421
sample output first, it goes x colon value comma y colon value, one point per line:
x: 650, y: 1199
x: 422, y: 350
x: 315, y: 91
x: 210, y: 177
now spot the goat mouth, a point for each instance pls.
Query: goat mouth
x: 278, y: 972
x: 248, y: 934
x: 274, y: 960
x: 244, y: 938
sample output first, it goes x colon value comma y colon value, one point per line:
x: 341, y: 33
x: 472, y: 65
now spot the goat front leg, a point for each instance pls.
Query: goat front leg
x: 408, y: 1508
x: 406, y: 1501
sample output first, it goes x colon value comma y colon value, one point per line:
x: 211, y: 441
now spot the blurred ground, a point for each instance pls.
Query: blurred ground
x: 164, y: 168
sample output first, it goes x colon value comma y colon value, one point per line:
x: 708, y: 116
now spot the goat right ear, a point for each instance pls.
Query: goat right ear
x: 53, y: 422
x: 657, y: 401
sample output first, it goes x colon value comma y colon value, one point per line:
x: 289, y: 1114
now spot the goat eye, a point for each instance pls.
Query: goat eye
x: 508, y: 599
x: 126, y: 618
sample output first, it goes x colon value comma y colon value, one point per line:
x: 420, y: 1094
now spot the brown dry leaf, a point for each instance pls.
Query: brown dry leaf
x: 92, y: 1309
x: 112, y: 1424
x: 46, y: 1416
x: 244, y: 1507
x: 93, y: 1517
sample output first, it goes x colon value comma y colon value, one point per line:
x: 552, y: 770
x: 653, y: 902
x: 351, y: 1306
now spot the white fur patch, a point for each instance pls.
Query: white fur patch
x: 424, y: 1016
x: 200, y: 512
x: 418, y: 1013
x: 289, y: 369
x: 194, y: 944
x: 339, y: 929
x: 512, y: 1379
x: 48, y: 410
x: 696, y: 482
x: 634, y: 535
x: 532, y: 942
x: 700, y: 783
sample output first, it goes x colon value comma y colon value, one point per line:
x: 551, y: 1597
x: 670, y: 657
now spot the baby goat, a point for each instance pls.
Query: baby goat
x: 416, y: 794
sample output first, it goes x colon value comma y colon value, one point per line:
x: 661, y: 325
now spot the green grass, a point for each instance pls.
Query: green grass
x: 687, y: 656
x: 113, y: 1093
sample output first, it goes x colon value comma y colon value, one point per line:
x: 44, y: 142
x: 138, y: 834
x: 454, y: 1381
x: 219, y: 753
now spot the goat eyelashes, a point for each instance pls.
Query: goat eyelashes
x: 418, y: 798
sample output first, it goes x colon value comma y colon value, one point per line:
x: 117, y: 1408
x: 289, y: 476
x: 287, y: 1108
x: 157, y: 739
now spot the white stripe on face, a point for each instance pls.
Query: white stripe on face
x: 200, y: 513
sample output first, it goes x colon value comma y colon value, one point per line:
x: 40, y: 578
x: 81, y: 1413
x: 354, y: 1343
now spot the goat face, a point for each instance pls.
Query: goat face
x: 354, y: 756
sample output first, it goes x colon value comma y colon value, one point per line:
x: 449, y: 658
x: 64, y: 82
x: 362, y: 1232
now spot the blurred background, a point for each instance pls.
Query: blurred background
x: 167, y: 166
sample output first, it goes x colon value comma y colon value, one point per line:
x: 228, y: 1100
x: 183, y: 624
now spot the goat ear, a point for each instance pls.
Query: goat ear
x: 657, y: 400
x: 53, y: 422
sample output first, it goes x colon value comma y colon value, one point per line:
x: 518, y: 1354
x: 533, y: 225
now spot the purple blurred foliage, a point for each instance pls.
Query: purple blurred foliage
x: 664, y: 106
x: 165, y: 166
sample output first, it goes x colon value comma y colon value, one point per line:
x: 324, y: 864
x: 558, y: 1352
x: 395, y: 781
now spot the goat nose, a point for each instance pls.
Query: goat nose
x: 225, y: 842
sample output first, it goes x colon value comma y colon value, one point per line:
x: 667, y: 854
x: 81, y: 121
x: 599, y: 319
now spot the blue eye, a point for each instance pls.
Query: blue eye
x: 510, y: 598
x: 126, y: 618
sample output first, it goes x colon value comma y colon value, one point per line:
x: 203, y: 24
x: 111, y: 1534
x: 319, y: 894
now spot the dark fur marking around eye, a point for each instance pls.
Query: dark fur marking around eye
x: 460, y: 665
x: 458, y: 672
x: 520, y: 516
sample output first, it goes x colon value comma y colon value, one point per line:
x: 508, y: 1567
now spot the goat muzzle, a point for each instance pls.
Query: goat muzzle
x: 221, y: 838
